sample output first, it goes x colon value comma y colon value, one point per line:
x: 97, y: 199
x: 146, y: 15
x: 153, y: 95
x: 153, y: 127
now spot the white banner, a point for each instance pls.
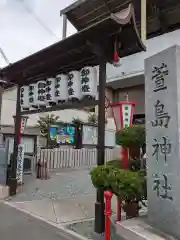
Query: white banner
x: 23, y: 124
x: 20, y: 163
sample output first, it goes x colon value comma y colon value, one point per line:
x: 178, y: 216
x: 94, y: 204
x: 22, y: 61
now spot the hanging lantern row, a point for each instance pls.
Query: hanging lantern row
x: 74, y: 86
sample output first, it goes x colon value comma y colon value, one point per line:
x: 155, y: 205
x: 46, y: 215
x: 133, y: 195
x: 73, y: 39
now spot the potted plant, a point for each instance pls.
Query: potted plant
x: 123, y: 183
x: 135, y: 166
x: 127, y: 185
x: 132, y: 138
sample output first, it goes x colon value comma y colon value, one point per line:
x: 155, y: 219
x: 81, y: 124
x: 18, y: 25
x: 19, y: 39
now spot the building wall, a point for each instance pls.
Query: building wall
x: 136, y: 94
x: 134, y: 64
x: 10, y: 94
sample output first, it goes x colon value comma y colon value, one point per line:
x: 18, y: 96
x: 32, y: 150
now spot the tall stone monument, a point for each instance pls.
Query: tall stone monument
x: 162, y: 90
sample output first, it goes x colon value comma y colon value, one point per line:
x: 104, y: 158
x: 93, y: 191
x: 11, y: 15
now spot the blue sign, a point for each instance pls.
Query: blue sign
x: 63, y: 134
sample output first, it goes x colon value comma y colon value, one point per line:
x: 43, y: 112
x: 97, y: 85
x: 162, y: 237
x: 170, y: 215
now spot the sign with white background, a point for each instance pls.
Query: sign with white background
x: 20, y: 163
x: 90, y: 136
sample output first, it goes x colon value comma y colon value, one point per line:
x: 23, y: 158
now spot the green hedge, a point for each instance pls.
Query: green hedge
x: 124, y: 183
x: 115, y: 163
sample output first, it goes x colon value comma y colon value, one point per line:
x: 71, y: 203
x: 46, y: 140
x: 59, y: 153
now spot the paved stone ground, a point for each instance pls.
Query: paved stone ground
x: 18, y: 226
x: 65, y: 184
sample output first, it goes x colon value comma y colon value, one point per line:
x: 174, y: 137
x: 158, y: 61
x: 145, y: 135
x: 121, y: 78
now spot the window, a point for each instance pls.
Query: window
x: 115, y: 96
x: 139, y: 119
x: 27, y: 141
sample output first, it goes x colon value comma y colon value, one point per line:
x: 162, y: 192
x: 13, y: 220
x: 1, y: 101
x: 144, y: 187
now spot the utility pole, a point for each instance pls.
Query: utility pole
x: 64, y: 29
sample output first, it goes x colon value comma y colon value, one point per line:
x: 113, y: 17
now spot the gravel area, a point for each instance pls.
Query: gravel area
x: 60, y: 185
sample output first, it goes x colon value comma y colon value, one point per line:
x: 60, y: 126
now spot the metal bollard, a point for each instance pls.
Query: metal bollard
x: 45, y: 171
x: 42, y: 171
x: 38, y: 170
x: 107, y: 212
x: 118, y: 214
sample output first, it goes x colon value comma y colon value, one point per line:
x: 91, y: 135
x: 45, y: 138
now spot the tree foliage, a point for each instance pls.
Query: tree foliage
x: 131, y: 136
x: 77, y: 121
x: 92, y: 118
x: 45, y: 122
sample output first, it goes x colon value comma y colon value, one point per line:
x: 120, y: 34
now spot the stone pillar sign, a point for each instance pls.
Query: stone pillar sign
x: 162, y: 86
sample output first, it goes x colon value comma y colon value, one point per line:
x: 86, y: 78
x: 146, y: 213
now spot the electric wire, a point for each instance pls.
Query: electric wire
x: 4, y: 56
x: 32, y: 13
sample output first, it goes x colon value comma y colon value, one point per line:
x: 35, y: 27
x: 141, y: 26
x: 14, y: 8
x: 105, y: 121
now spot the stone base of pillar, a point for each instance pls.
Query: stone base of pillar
x: 1, y: 138
x: 4, y: 192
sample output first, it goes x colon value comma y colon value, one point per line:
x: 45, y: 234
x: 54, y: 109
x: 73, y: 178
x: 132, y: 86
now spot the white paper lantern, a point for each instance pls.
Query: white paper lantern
x: 89, y: 82
x: 74, y: 86
x: 61, y: 88
x: 41, y: 93
x: 33, y: 96
x: 24, y: 98
x: 50, y: 91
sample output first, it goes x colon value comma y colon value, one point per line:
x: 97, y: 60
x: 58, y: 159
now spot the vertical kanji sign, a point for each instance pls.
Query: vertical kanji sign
x: 20, y: 164
x: 162, y: 93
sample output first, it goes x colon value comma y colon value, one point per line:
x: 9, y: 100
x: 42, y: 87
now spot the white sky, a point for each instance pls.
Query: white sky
x: 21, y: 34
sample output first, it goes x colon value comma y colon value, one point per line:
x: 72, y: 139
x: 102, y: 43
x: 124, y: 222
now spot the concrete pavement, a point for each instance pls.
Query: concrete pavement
x: 61, y: 211
x: 17, y: 225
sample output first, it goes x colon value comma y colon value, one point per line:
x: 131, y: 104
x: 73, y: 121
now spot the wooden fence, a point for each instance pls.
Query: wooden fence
x: 72, y: 158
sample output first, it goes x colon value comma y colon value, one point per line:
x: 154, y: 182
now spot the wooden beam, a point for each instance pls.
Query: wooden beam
x: 143, y: 20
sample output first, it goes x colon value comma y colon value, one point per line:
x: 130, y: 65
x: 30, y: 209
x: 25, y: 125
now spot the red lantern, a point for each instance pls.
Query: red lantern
x: 116, y: 57
x: 123, y: 114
